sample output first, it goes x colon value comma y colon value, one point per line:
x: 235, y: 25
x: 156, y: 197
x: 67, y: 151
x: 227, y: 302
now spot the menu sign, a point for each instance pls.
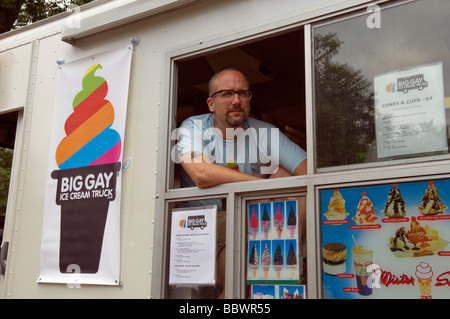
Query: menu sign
x: 386, y: 241
x: 410, y: 111
x: 193, y: 246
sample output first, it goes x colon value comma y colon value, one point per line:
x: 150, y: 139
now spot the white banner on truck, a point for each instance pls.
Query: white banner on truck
x: 81, y: 223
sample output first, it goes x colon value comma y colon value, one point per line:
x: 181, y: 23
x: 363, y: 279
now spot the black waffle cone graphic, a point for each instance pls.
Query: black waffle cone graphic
x: 84, y: 194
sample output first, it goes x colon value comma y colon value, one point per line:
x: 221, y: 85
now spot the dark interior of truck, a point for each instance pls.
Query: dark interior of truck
x: 275, y: 67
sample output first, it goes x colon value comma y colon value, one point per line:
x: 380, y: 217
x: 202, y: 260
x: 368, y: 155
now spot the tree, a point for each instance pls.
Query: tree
x: 6, y: 155
x: 18, y: 13
x: 9, y: 11
x: 344, y: 107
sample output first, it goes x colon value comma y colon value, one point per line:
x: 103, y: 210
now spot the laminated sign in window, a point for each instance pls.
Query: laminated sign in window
x: 193, y: 246
x: 410, y: 111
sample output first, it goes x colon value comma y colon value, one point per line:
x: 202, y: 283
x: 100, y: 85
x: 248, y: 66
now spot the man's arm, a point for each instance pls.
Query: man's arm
x: 301, y: 169
x: 282, y: 172
x: 206, y: 174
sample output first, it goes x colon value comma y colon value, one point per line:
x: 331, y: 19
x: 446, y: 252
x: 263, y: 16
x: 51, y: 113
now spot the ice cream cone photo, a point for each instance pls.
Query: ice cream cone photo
x: 254, y: 260
x: 254, y: 223
x: 278, y: 220
x: 266, y: 260
x: 291, y: 260
x: 265, y: 222
x: 292, y: 221
x: 278, y: 260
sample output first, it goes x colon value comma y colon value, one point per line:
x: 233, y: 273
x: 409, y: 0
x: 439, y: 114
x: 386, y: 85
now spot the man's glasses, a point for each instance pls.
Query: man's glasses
x: 244, y: 95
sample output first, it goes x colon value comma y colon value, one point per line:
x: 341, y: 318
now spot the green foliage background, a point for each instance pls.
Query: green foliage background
x: 6, y: 155
x: 18, y: 13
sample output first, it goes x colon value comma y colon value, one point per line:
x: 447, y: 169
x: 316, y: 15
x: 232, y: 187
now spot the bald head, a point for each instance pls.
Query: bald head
x: 212, y: 87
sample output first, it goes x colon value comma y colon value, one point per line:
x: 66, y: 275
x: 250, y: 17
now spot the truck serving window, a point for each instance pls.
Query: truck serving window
x: 275, y: 70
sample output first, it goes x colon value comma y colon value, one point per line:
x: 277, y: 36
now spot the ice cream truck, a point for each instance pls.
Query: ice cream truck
x: 91, y: 102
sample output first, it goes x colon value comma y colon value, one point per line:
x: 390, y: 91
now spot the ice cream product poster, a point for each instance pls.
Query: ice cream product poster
x: 81, y: 222
x: 273, y: 220
x: 265, y: 291
x: 410, y: 111
x: 386, y: 241
x: 273, y: 241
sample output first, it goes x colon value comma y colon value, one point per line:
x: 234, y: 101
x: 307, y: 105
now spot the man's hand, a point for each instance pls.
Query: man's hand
x: 206, y: 174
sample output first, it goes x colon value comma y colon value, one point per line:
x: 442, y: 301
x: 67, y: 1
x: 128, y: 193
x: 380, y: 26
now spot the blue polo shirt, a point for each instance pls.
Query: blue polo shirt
x: 258, y: 149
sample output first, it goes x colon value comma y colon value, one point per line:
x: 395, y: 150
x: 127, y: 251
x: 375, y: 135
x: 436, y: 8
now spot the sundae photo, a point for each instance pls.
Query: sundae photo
x: 336, y: 207
x: 365, y: 213
x: 395, y: 205
x: 431, y: 203
x: 417, y: 241
x: 286, y: 294
x: 334, y: 257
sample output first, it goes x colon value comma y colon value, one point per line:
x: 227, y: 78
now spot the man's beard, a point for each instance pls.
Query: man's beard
x: 235, y: 122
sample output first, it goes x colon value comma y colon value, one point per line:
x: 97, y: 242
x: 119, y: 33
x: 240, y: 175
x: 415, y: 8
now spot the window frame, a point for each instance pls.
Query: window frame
x: 244, y: 200
x: 235, y: 193
x: 383, y: 163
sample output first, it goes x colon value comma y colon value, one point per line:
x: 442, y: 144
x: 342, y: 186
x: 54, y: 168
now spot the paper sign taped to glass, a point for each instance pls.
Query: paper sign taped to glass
x: 410, y: 111
x: 193, y: 246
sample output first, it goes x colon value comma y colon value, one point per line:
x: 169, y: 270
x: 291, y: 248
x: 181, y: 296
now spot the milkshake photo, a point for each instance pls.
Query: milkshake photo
x: 362, y: 258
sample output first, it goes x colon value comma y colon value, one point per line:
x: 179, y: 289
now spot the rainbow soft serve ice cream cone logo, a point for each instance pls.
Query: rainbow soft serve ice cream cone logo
x: 90, y: 140
x: 88, y: 160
